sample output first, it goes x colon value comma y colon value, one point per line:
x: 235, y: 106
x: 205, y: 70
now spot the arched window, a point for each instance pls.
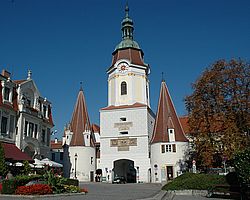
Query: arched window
x: 123, y: 88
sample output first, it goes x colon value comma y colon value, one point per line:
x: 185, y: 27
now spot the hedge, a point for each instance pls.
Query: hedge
x: 192, y: 181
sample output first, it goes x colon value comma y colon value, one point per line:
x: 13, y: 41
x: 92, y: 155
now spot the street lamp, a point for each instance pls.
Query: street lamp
x: 75, y: 164
x: 137, y: 174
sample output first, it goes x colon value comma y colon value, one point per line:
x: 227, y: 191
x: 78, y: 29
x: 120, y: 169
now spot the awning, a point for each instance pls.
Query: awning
x: 11, y: 152
x: 51, y: 163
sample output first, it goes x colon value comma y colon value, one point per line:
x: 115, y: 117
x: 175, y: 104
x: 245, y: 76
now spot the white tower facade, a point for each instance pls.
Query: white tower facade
x: 126, y: 124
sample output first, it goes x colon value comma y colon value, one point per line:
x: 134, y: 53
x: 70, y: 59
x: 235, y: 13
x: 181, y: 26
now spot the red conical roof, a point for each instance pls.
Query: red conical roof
x: 166, y: 118
x: 80, y: 121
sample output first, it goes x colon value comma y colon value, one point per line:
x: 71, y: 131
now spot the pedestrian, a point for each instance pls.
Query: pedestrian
x: 9, y: 175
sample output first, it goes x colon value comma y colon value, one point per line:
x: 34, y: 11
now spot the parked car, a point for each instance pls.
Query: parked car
x: 119, y: 179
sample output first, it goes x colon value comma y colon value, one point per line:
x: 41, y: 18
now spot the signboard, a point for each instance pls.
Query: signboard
x: 123, y: 126
x: 124, y: 143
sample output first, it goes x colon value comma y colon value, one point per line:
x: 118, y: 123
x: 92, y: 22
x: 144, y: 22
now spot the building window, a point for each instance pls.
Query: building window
x: 168, y: 148
x: 162, y: 148
x: 43, y: 135
x: 91, y: 160
x: 123, y: 119
x: 48, y: 136
x: 123, y: 88
x: 26, y: 129
x: 6, y: 93
x: 61, y: 155
x: 40, y: 105
x: 171, y: 135
x: 28, y: 101
x: 4, y: 123
x: 53, y: 156
x: 31, y: 129
x: 124, y: 132
x: 36, y: 128
x: 174, y: 147
x: 12, y: 127
x: 44, y: 111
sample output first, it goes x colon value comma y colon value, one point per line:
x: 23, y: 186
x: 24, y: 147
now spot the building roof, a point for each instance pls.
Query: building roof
x: 11, y: 152
x: 166, y: 118
x: 56, y: 144
x: 80, y: 121
x: 95, y: 128
x: 184, y: 124
x: 135, y: 105
x: 134, y: 56
x: 19, y: 81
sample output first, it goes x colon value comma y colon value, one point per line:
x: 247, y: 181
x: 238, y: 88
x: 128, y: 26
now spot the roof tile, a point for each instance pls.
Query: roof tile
x: 166, y: 118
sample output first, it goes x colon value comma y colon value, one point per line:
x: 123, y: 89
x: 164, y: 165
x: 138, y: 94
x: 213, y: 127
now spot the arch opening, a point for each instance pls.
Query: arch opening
x: 125, y: 168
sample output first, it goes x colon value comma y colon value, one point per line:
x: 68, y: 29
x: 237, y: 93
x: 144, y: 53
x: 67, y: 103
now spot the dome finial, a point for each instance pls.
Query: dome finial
x: 162, y: 77
x: 127, y: 10
x: 81, y: 89
x: 29, y: 74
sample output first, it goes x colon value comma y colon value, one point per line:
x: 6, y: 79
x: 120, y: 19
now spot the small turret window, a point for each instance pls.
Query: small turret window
x: 123, y: 88
x: 6, y: 93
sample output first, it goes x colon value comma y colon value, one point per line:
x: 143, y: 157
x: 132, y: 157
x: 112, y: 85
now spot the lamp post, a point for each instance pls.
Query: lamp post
x: 75, y: 164
x: 137, y: 174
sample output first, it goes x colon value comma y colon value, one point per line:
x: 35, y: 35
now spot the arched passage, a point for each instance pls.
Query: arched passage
x: 125, y: 167
x: 29, y: 150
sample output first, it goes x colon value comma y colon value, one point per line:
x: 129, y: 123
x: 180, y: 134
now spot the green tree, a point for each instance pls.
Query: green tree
x: 26, y: 167
x: 219, y: 110
x: 242, y: 166
x: 3, y: 166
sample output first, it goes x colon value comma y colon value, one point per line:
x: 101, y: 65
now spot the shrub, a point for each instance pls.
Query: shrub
x: 3, y: 166
x: 241, y: 164
x: 55, y: 182
x: 26, y: 168
x: 72, y: 189
x: 69, y: 181
x: 195, y: 181
x: 38, y: 189
x: 24, y: 179
x: 9, y: 186
x: 1, y: 187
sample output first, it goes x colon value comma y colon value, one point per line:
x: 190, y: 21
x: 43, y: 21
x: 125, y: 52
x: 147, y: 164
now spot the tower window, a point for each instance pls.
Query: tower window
x: 123, y: 119
x: 123, y: 88
x: 124, y: 132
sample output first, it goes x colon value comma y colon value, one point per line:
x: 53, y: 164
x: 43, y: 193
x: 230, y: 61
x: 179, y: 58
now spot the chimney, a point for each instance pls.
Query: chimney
x: 5, y: 73
x: 56, y: 140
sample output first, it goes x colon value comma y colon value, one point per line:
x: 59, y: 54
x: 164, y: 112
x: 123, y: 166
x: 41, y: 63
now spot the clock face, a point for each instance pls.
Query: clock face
x: 122, y: 68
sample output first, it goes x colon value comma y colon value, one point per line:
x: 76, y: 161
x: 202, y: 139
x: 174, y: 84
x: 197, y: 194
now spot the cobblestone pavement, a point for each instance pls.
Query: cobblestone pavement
x: 104, y: 191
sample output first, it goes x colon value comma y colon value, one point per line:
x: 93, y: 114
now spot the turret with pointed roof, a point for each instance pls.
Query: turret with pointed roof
x: 80, y: 121
x: 166, y: 119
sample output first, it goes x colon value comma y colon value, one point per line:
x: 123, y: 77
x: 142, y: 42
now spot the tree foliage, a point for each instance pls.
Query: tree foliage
x: 26, y: 168
x: 219, y: 111
x: 3, y: 166
x: 242, y: 166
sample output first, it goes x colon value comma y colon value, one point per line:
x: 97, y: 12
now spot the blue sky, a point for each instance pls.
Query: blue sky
x: 64, y: 42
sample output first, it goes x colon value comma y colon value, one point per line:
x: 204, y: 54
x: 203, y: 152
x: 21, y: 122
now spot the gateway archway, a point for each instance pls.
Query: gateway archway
x: 125, y: 167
